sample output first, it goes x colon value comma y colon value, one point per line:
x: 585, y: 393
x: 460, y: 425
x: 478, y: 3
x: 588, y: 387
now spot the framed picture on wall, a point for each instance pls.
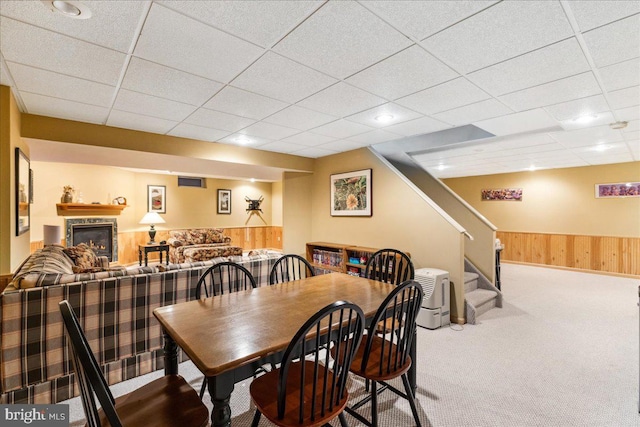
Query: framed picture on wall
x: 23, y: 191
x: 351, y: 193
x: 157, y: 198
x: 502, y: 194
x: 617, y: 190
x: 224, y: 201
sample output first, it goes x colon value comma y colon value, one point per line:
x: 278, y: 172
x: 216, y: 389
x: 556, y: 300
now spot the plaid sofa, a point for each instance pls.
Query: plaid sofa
x: 117, y: 316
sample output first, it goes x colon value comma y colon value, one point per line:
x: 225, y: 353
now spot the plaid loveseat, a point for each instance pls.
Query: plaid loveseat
x: 117, y: 316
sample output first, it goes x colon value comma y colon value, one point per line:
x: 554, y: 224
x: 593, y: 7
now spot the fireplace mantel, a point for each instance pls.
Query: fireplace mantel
x: 88, y: 209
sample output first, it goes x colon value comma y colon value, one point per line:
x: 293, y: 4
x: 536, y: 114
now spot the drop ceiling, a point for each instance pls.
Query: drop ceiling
x: 315, y: 78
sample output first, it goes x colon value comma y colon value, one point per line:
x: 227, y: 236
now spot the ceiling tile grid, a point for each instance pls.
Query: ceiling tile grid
x: 310, y: 77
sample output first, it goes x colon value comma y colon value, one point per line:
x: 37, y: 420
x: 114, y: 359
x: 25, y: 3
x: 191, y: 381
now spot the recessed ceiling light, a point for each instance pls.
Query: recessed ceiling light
x: 384, y: 118
x: 442, y: 167
x: 243, y: 140
x: 70, y: 9
x: 585, y: 119
x: 253, y: 180
x: 601, y: 147
x: 532, y: 168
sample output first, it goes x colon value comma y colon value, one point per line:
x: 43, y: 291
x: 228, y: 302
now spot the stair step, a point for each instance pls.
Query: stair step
x: 470, y: 282
x: 469, y: 276
x: 480, y: 296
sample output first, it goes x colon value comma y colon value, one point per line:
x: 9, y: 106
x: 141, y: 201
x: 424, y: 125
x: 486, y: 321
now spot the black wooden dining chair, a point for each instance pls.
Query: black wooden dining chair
x: 168, y: 401
x: 304, y: 391
x: 224, y: 277
x: 382, y: 358
x: 221, y: 278
x: 390, y: 266
x: 290, y: 267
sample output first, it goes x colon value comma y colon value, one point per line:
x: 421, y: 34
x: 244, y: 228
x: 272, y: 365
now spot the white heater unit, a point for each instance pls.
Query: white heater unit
x: 434, y: 312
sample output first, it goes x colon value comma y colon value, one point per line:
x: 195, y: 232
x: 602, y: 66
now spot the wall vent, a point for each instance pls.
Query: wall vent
x: 189, y: 181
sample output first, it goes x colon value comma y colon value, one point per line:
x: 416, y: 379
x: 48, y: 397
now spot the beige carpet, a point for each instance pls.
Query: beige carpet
x: 562, y: 352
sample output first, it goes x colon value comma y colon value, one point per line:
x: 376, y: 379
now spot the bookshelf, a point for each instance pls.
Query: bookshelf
x: 328, y: 257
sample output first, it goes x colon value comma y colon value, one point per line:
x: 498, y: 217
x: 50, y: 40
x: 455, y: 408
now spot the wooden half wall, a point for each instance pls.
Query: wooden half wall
x: 246, y: 237
x: 618, y: 255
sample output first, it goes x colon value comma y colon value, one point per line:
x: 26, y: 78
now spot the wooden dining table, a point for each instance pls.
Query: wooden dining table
x: 229, y: 336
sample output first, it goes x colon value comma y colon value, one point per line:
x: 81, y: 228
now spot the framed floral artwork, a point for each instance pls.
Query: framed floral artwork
x: 618, y: 190
x: 224, y: 201
x: 351, y: 193
x: 157, y: 198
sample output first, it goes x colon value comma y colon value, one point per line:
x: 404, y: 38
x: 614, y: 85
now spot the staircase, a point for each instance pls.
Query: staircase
x: 480, y: 295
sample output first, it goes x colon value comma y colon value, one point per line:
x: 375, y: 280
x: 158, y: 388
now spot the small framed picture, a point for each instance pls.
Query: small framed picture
x: 224, y: 201
x: 157, y: 198
x: 351, y: 193
x: 618, y: 190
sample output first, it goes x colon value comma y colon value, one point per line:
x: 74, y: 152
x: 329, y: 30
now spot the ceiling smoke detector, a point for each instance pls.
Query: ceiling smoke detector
x: 618, y: 125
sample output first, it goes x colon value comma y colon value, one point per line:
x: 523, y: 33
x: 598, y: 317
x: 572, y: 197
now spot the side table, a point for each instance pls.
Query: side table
x: 152, y: 248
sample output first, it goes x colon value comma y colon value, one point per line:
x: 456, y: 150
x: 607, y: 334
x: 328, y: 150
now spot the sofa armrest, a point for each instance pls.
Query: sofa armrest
x: 103, y: 261
x: 172, y: 241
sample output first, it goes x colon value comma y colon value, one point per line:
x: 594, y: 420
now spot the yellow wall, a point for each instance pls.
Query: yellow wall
x: 401, y: 219
x: 558, y: 201
x: 12, y: 247
x: 186, y: 207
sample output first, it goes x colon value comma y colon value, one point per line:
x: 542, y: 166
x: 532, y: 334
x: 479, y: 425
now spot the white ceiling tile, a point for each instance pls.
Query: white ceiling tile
x: 420, y: 19
x: 500, y: 32
x: 341, y: 129
x: 374, y: 137
x: 314, y: 152
x: 634, y: 147
x: 578, y: 107
x: 341, y: 145
x: 404, y: 73
x: 625, y: 97
x: 268, y: 131
x: 620, y: 76
x: 299, y: 118
x: 446, y: 96
x: 42, y: 82
x: 615, y: 42
x: 112, y: 24
x: 281, y: 147
x: 185, y: 130
x: 218, y: 120
x: 473, y: 112
x: 629, y: 114
x: 519, y: 141
x: 244, y: 140
x: 589, y: 136
x: 397, y: 114
x: 526, y: 121
x: 64, y: 109
x: 544, y: 65
x: 599, y: 159
x: 594, y: 149
x: 330, y: 42
x: 308, y: 139
x: 154, y: 79
x: 135, y: 102
x: 341, y: 100
x: 196, y: 48
x: 127, y: 120
x: 563, y: 90
x: 280, y: 78
x: 593, y: 13
x: 44, y: 49
x: 588, y: 120
x: 260, y: 22
x: 242, y: 103
x: 632, y: 136
x: 418, y: 127
x: 632, y: 126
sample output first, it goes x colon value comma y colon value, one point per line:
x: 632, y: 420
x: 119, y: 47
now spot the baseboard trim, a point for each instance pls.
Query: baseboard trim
x: 581, y: 270
x: 458, y: 320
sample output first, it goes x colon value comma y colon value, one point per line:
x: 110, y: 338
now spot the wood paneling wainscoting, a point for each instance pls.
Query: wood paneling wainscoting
x: 619, y: 255
x: 246, y: 237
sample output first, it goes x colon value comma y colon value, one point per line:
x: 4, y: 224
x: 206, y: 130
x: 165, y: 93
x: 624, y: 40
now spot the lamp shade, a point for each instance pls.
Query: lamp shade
x: 51, y: 234
x: 152, y: 218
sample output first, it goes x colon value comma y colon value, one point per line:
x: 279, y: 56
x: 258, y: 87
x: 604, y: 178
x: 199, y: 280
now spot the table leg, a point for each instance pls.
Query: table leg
x: 170, y: 355
x: 161, y: 256
x: 139, y: 256
x: 220, y: 388
x: 146, y: 258
x: 167, y: 255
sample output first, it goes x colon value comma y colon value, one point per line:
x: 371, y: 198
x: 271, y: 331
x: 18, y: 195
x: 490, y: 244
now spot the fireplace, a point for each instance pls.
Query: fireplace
x: 100, y: 234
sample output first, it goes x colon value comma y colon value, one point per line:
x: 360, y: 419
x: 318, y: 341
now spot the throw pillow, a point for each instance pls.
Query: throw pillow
x: 82, y: 256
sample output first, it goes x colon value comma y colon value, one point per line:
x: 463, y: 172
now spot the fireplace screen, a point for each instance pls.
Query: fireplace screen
x: 100, y: 234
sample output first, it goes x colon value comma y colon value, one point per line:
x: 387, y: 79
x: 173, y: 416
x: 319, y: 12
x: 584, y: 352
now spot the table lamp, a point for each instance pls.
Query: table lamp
x: 152, y: 218
x: 51, y: 234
